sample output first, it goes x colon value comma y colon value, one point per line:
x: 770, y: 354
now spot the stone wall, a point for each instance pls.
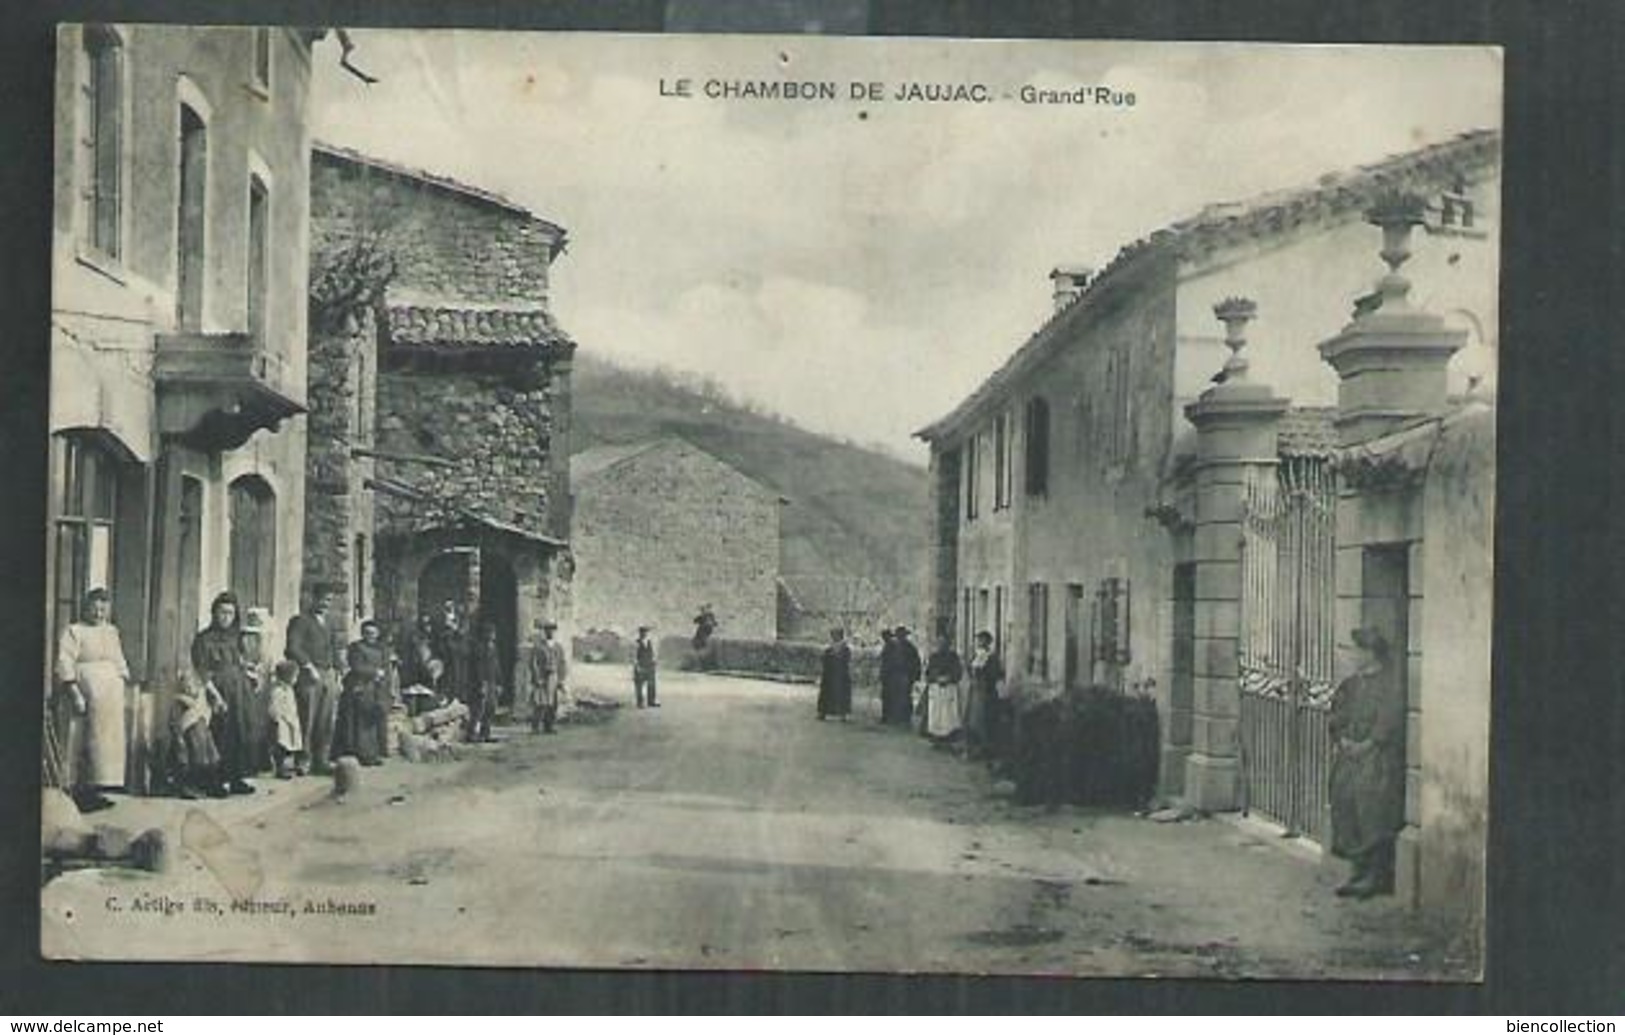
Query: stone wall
x: 338, y: 505
x: 447, y: 244
x: 1457, y: 576
x: 672, y: 528
x: 495, y: 429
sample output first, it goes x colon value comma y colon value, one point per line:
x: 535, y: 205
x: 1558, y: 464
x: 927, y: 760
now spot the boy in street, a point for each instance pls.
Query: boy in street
x: 547, y: 670
x: 643, y: 667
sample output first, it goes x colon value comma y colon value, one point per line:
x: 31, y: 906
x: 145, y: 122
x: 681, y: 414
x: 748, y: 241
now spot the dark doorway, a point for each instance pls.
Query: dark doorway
x: 499, y: 601
x: 1182, y: 667
x: 189, y: 571
x: 1074, y: 634
x: 1386, y: 588
x: 447, y: 577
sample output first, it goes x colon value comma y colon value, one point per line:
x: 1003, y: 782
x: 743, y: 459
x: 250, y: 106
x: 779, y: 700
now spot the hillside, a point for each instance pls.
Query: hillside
x: 853, y: 511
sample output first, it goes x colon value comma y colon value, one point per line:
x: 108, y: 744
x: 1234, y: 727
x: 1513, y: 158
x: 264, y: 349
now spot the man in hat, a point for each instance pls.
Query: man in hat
x: 312, y: 645
x: 643, y: 667
x: 547, y: 671
x: 1367, y: 779
x: 898, y: 676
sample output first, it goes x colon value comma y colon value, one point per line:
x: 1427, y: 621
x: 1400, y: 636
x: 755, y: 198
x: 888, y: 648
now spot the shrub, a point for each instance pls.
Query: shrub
x: 1092, y: 746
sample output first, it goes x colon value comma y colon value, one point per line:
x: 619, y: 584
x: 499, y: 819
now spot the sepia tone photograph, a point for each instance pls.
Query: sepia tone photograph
x: 770, y: 503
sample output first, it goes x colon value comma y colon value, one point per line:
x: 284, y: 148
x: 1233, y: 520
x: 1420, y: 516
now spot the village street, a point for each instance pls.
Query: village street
x: 728, y: 829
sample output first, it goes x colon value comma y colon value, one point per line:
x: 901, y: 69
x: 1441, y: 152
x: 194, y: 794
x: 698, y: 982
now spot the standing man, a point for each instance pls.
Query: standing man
x: 312, y: 646
x: 547, y: 671
x: 643, y: 667
x: 889, y: 671
x: 912, y: 670
x: 455, y: 650
x: 835, y: 683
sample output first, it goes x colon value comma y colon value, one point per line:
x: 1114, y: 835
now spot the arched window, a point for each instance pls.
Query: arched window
x: 100, y: 132
x: 252, y: 563
x: 86, y: 486
x: 1037, y: 449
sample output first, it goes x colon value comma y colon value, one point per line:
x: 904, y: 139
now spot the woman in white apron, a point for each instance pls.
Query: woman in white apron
x: 93, y: 673
x: 944, y: 684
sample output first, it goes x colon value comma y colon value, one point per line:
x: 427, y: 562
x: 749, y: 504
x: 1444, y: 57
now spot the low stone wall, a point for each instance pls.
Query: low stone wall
x: 778, y: 659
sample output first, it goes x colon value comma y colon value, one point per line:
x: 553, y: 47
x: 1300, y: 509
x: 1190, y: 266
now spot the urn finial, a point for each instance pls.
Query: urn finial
x: 1397, y: 213
x: 1235, y: 313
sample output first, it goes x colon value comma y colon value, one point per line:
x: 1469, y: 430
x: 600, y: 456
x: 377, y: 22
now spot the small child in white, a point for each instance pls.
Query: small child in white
x: 287, y: 740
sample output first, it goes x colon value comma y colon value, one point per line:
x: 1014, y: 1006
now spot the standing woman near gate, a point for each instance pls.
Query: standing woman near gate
x: 1367, y: 786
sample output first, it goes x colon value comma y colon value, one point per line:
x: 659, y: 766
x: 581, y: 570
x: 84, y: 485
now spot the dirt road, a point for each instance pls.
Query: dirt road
x: 730, y: 829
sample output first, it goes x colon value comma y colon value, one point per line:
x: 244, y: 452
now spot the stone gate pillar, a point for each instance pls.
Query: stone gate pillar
x: 1392, y: 362
x: 1236, y: 423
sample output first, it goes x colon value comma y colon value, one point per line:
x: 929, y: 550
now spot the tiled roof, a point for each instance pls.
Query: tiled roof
x: 1333, y: 197
x: 345, y: 154
x: 473, y: 327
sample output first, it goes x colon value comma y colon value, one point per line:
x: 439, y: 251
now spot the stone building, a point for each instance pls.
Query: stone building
x: 662, y: 527
x: 439, y: 461
x: 180, y: 244
x: 1121, y: 504
x: 810, y: 605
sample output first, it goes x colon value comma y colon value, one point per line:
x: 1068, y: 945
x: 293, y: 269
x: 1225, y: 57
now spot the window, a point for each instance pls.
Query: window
x: 1037, y: 448
x: 262, y: 58
x: 86, y: 509
x: 1038, y: 630
x: 972, y: 458
x: 191, y: 204
x: 1112, y: 624
x: 100, y: 130
x: 998, y: 620
x: 259, y: 201
x: 1000, y: 467
x: 252, y: 574
x: 967, y: 624
x: 358, y: 592
x: 1118, y: 430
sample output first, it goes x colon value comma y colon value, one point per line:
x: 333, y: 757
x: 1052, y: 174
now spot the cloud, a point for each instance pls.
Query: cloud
x: 863, y: 274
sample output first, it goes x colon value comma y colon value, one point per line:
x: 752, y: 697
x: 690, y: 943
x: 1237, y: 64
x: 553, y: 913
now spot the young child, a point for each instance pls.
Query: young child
x: 197, y: 760
x: 287, y: 738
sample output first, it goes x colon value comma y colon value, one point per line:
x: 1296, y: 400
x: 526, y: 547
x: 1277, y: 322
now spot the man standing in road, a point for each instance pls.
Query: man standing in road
x: 312, y: 645
x: 547, y: 671
x: 643, y: 667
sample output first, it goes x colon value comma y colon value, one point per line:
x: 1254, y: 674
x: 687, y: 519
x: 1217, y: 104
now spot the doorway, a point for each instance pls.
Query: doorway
x: 499, y: 602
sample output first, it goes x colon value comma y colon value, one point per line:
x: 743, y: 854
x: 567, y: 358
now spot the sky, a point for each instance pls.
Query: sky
x: 861, y: 266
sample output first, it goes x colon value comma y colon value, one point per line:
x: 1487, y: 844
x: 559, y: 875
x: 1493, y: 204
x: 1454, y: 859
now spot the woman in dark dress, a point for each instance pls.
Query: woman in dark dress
x: 835, y: 682
x: 363, y: 708
x: 1367, y: 780
x: 217, y: 655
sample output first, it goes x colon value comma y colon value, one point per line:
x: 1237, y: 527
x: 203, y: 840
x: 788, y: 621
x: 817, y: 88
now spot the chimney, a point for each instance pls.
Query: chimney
x: 1391, y: 359
x: 1068, y: 283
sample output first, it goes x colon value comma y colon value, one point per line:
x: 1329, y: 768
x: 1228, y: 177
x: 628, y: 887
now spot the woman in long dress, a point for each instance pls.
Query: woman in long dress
x: 363, y: 707
x: 835, y: 680
x: 90, y: 727
x: 944, y: 678
x: 217, y: 655
x: 1367, y: 779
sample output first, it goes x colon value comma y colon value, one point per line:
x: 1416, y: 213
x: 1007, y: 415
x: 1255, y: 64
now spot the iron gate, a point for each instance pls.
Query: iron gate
x: 1286, y: 646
